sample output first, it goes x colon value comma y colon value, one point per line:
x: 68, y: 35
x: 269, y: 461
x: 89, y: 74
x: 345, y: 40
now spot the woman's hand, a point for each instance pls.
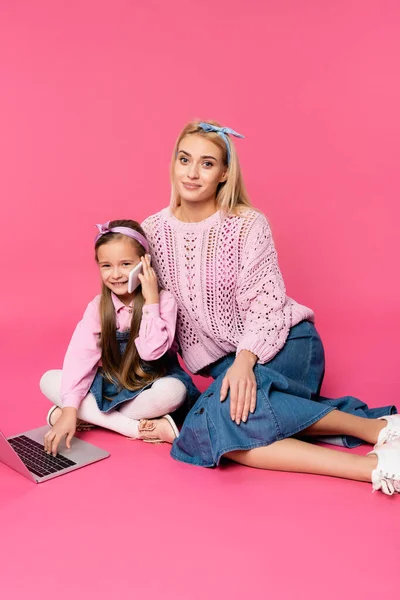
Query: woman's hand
x: 241, y: 382
x: 149, y: 282
x: 65, y: 426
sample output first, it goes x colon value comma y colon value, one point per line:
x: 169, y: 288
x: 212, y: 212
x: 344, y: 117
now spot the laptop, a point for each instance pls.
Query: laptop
x: 25, y: 453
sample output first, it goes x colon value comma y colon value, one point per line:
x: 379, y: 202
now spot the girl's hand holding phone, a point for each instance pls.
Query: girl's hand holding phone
x: 149, y: 282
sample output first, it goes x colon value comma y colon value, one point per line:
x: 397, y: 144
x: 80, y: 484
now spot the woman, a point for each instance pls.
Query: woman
x: 216, y: 255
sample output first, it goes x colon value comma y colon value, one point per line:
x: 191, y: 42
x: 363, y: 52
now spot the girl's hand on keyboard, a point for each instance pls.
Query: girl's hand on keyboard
x: 64, y: 427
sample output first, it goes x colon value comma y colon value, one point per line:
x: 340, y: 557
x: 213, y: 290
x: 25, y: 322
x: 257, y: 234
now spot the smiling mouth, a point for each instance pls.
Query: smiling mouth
x: 191, y: 186
x: 119, y: 283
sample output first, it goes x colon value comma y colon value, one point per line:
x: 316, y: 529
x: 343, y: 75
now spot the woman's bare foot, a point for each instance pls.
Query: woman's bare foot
x: 158, y: 430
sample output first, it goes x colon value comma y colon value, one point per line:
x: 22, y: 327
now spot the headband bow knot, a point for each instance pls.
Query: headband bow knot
x: 222, y: 132
x: 103, y: 228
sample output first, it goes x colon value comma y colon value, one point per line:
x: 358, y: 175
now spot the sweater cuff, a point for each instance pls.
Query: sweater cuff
x: 151, y: 311
x: 264, y: 351
x: 71, y: 400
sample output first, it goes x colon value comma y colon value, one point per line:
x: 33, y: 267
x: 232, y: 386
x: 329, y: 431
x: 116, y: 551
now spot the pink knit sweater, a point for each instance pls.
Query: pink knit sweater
x: 225, y: 277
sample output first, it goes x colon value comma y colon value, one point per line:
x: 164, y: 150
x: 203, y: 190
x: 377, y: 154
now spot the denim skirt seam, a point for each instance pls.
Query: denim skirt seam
x: 267, y: 403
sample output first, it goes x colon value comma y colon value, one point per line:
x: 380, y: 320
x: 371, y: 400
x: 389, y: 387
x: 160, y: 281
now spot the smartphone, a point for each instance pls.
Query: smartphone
x: 134, y: 281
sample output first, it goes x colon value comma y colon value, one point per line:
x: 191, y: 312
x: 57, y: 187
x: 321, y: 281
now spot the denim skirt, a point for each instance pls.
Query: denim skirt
x: 288, y: 401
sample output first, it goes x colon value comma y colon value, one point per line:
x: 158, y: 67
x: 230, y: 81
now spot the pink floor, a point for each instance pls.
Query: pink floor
x: 93, y: 94
x: 140, y: 524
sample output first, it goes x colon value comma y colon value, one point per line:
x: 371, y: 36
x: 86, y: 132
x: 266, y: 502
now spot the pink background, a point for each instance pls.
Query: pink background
x: 93, y: 95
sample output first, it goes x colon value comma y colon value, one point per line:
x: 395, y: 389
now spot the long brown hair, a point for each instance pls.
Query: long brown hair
x: 128, y: 370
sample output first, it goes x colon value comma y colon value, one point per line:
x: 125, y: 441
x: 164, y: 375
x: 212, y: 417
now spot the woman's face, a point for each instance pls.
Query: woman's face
x: 198, y: 169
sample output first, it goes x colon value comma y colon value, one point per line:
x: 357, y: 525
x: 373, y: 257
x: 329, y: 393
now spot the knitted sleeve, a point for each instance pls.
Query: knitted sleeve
x: 261, y: 294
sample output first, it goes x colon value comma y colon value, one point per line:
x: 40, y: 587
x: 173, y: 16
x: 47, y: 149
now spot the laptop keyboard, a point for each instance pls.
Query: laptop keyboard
x: 35, y: 458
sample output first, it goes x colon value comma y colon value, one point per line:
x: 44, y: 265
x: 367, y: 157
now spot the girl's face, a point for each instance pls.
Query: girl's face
x: 198, y: 169
x: 116, y: 259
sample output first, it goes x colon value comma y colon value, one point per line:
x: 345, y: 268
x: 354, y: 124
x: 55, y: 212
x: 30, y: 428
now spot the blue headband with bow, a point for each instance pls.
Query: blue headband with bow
x: 222, y: 132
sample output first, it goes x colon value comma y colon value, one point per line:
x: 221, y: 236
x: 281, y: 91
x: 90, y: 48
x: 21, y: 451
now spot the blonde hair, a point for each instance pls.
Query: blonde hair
x: 231, y: 194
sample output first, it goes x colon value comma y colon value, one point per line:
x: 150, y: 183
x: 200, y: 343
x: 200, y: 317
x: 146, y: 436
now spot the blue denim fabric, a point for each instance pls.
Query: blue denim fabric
x: 288, y: 402
x: 108, y: 395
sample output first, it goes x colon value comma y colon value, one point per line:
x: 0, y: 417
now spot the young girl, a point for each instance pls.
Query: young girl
x: 215, y: 253
x: 133, y: 336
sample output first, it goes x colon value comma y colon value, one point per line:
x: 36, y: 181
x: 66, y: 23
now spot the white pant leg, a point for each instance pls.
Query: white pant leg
x: 165, y: 395
x: 50, y: 384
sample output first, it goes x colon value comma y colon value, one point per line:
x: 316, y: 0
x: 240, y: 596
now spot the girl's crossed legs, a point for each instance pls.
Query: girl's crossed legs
x: 164, y: 396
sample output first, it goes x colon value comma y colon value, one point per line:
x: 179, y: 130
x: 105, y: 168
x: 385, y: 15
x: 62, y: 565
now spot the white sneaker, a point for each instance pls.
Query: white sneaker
x: 392, y: 430
x: 386, y: 476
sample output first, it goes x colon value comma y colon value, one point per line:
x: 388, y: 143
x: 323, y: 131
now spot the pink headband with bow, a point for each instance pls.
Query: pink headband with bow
x: 103, y: 229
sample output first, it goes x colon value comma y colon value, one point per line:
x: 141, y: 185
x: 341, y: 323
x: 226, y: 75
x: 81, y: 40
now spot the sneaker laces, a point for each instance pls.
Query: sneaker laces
x: 389, y: 435
x: 389, y: 484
